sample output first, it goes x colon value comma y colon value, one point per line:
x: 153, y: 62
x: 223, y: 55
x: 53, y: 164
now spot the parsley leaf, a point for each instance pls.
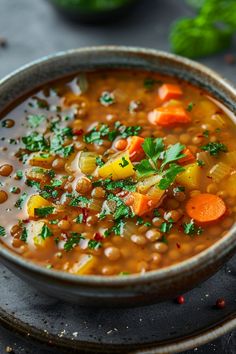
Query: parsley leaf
x: 45, y: 232
x: 107, y: 98
x: 2, y: 231
x: 214, y: 148
x: 173, y: 153
x: 73, y: 241
x: 35, y: 120
x: 190, y: 107
x: 19, y: 203
x: 94, y: 245
x: 24, y: 235
x: 191, y: 229
x: 80, y: 201
x: 144, y: 169
x: 44, y: 211
x: 99, y: 161
x: 166, y: 227
x: 169, y: 176
x: 153, y: 148
x: 124, y: 162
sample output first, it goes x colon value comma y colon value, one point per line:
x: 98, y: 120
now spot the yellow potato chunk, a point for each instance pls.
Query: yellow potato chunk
x: 36, y: 201
x: 43, y: 160
x: 119, y: 167
x: 230, y: 186
x: 84, y: 265
x: 190, y: 178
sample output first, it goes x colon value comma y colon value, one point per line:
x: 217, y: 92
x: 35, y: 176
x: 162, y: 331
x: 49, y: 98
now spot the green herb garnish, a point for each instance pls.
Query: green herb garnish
x: 191, y: 228
x: 24, y: 235
x: 107, y: 98
x: 45, y: 232
x: 73, y: 241
x: 94, y: 245
x: 2, y: 231
x: 35, y: 120
x: 214, y: 148
x: 44, y: 211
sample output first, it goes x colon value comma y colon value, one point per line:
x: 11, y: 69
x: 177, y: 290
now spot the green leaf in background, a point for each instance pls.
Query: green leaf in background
x: 91, y: 5
x: 211, y: 31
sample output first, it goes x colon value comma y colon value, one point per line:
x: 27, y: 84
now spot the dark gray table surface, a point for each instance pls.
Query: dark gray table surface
x: 33, y: 29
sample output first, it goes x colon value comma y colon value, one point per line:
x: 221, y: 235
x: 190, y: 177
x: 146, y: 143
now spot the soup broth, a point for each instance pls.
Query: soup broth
x: 116, y: 172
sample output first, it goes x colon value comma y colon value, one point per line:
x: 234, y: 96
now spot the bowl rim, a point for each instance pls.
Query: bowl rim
x: 219, y: 248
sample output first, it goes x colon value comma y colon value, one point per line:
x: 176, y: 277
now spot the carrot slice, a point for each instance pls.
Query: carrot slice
x: 169, y: 116
x: 139, y: 203
x: 205, y: 207
x: 169, y: 91
x: 135, y: 149
x: 188, y: 158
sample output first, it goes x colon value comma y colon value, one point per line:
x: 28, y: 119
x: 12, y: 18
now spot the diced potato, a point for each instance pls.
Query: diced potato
x: 230, y: 186
x: 144, y: 185
x: 219, y: 171
x: 37, y: 173
x: 218, y: 120
x: 84, y: 265
x: 36, y: 201
x: 230, y: 158
x: 190, y: 178
x: 118, y: 167
x: 40, y: 159
x: 156, y: 194
x: 87, y: 162
x: 205, y: 109
x: 34, y: 229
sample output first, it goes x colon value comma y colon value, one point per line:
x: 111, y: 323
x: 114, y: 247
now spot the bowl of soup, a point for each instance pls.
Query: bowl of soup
x: 117, y: 174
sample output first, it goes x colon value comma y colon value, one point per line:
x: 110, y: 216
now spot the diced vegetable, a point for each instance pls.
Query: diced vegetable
x: 129, y: 229
x: 218, y: 121
x: 230, y: 186
x: 169, y: 116
x: 41, y: 159
x: 145, y: 184
x: 205, y: 207
x: 169, y: 91
x: 84, y: 265
x: 87, y: 162
x: 230, y: 158
x: 188, y: 158
x: 205, y: 157
x: 141, y: 203
x: 205, y: 109
x: 36, y: 201
x: 135, y: 149
x: 119, y: 167
x: 37, y: 173
x: 190, y: 178
x: 219, y: 171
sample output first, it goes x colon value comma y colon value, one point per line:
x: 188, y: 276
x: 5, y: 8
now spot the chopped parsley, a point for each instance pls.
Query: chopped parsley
x: 124, y: 162
x: 19, y: 174
x: 206, y: 133
x: 44, y: 211
x: 126, y: 184
x: 32, y: 183
x: 200, y: 163
x: 24, y: 235
x: 214, y: 148
x: 80, y: 201
x: 19, y: 203
x: 117, y: 228
x: 35, y: 142
x: 191, y: 228
x: 107, y: 98
x: 94, y: 245
x: 190, y: 107
x: 2, y: 231
x: 178, y: 189
x: 35, y: 120
x: 166, y: 227
x: 45, y: 232
x: 99, y: 161
x: 73, y: 241
x: 79, y: 219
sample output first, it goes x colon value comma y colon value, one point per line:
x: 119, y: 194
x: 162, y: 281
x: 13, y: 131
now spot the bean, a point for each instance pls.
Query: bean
x: 214, y: 230
x: 3, y: 196
x: 227, y: 222
x: 172, y: 204
x: 108, y: 270
x: 112, y: 253
x: 184, y: 138
x: 212, y: 188
x: 5, y: 170
x: 173, y: 215
x: 155, y: 258
x: 153, y: 235
x: 91, y: 220
x: 186, y: 248
x: 142, y: 229
x: 139, y: 240
x: 16, y: 231
x: 174, y: 255
x: 142, y: 267
x: 58, y: 163
x: 16, y: 242
x: 197, y: 140
x: 64, y: 225
x: 121, y: 144
x: 171, y: 139
x: 98, y: 192
x: 84, y: 185
x: 180, y: 196
x: 8, y: 123
x: 160, y: 247
x: 157, y: 221
x: 222, y: 194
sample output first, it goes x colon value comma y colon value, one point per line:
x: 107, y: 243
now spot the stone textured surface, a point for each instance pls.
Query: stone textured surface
x: 32, y: 30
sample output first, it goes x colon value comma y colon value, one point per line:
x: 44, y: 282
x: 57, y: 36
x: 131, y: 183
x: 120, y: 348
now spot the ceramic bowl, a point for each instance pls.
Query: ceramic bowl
x: 134, y: 289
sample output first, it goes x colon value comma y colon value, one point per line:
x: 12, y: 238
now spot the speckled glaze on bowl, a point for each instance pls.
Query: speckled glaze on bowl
x: 134, y: 289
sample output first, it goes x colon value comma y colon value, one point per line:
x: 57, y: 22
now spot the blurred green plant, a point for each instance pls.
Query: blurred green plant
x: 91, y: 5
x: 211, y: 31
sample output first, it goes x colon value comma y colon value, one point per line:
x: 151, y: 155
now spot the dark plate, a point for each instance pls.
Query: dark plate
x: 162, y: 328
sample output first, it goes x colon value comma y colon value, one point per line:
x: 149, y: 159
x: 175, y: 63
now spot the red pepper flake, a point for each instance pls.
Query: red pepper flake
x: 78, y: 132
x: 98, y: 236
x: 220, y: 303
x: 85, y: 213
x: 180, y: 300
x: 177, y: 245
